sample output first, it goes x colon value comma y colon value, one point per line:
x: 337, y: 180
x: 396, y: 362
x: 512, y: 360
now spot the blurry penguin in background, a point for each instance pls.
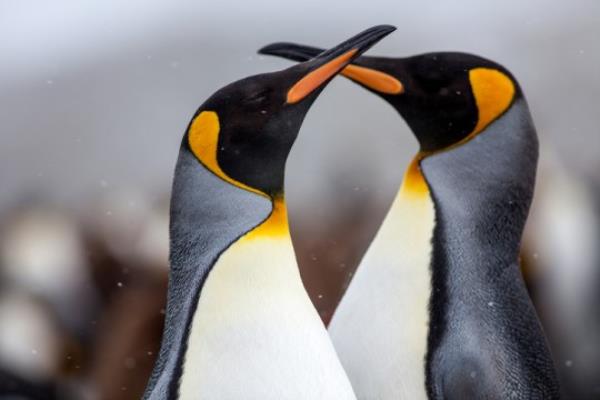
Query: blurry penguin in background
x: 42, y: 253
x: 562, y: 259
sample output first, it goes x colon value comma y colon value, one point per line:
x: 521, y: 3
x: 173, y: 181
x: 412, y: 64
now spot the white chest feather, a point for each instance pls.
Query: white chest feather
x: 380, y: 327
x: 255, y: 333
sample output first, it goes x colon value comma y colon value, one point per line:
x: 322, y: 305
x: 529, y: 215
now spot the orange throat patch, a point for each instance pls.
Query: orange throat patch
x: 414, y: 184
x: 275, y: 226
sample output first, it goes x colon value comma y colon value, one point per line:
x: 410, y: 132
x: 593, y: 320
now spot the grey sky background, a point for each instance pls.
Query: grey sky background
x: 96, y: 95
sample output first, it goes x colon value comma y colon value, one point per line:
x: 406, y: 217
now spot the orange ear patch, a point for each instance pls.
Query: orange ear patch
x: 493, y: 92
x: 203, y: 138
x: 373, y: 79
x: 316, y: 78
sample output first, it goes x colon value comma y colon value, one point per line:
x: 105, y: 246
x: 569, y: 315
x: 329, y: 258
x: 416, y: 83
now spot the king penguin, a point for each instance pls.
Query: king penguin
x: 239, y: 323
x: 438, y: 308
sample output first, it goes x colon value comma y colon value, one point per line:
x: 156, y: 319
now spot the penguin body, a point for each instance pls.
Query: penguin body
x: 203, y: 210
x: 239, y: 324
x: 396, y: 266
x: 437, y: 308
x: 482, y: 317
x: 254, y: 309
x: 563, y: 271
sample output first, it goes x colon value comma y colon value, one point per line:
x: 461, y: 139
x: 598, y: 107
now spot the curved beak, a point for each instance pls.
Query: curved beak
x: 320, y: 68
x: 291, y: 51
x: 369, y: 77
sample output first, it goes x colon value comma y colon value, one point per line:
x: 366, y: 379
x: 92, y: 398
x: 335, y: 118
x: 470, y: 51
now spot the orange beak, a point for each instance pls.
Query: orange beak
x: 329, y: 63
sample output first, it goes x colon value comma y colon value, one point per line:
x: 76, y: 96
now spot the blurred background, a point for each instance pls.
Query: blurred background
x: 94, y: 100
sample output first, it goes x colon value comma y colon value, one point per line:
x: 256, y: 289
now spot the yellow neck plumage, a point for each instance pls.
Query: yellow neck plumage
x: 275, y: 226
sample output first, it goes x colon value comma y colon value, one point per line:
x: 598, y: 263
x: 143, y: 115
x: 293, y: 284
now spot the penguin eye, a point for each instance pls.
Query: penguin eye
x: 435, y: 83
x: 257, y: 97
x: 432, y: 77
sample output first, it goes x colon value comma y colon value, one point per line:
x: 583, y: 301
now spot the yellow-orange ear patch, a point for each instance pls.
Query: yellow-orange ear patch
x: 493, y: 92
x: 203, y: 138
x: 374, y: 79
x: 316, y: 78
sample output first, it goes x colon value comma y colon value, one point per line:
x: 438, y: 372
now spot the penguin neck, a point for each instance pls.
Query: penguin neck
x: 484, y: 187
x: 252, y: 315
x: 207, y: 216
x: 275, y: 226
x: 482, y: 191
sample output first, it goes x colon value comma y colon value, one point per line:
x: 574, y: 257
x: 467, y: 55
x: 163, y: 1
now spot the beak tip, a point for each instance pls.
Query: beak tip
x: 270, y: 49
x: 320, y: 69
x: 361, y: 43
x: 387, y: 28
x: 373, y: 35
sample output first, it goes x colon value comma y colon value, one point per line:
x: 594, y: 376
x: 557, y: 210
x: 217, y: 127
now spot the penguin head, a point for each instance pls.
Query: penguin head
x: 446, y: 98
x: 244, y: 132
